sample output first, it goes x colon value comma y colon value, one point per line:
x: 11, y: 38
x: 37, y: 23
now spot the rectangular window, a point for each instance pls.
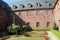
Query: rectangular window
x: 15, y: 7
x: 30, y: 5
x: 38, y: 4
x: 47, y: 12
x: 28, y: 13
x: 37, y: 12
x: 37, y: 24
x: 22, y: 6
x: 48, y: 24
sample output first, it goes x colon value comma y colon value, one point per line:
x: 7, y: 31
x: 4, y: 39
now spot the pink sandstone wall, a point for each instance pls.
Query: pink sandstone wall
x: 33, y: 18
x: 57, y: 13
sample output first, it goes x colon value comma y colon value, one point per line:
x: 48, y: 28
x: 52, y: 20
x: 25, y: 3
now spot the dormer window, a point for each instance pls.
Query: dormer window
x: 30, y: 5
x: 14, y: 7
x: 48, y: 3
x: 39, y: 5
x: 22, y: 6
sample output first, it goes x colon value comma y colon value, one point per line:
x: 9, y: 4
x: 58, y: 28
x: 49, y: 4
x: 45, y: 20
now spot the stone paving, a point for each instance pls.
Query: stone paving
x: 52, y: 36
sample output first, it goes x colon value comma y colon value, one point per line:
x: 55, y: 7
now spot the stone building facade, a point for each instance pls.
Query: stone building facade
x: 57, y: 14
x: 35, y: 13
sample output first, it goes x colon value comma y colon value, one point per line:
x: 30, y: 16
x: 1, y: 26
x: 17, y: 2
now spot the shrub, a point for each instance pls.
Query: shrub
x: 13, y: 29
x: 26, y: 28
x: 55, y: 27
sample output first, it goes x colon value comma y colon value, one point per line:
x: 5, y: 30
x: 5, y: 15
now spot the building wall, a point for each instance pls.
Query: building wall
x: 32, y: 18
x: 3, y: 19
x: 57, y: 13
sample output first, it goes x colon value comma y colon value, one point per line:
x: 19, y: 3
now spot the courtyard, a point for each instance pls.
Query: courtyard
x: 30, y: 20
x: 34, y: 35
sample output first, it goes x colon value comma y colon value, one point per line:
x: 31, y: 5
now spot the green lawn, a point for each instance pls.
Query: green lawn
x: 57, y: 33
x: 35, y: 35
x: 26, y: 38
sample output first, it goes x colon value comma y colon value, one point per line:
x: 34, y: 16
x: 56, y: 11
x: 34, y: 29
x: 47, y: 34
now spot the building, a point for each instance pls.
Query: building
x: 35, y: 13
x: 57, y: 14
x: 3, y: 17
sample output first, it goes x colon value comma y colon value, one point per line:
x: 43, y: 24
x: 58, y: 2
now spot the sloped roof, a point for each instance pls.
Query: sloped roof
x: 44, y: 4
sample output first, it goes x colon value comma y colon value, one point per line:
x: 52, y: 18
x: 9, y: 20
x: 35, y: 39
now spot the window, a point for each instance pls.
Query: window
x: 15, y: 7
x: 48, y: 24
x: 22, y: 6
x: 47, y: 12
x: 37, y: 24
x: 28, y: 13
x: 39, y: 5
x: 30, y: 5
x: 37, y: 12
x: 50, y: 4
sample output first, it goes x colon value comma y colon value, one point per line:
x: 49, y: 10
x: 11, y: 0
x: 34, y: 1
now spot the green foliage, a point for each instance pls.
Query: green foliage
x: 57, y: 33
x: 26, y: 28
x: 13, y: 29
x: 55, y: 27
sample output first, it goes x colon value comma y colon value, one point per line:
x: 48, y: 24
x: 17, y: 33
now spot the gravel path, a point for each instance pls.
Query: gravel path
x: 52, y: 36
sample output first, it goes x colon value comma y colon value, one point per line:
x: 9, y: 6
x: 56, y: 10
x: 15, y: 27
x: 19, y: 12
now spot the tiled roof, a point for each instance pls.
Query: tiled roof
x: 42, y: 4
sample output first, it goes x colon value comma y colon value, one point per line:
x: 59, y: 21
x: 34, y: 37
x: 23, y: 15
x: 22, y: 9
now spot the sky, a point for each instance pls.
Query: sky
x: 10, y: 1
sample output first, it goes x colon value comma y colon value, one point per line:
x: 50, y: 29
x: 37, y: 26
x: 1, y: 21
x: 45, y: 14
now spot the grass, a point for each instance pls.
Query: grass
x: 41, y: 29
x: 26, y: 38
x: 57, y: 33
x: 37, y: 32
x: 35, y: 35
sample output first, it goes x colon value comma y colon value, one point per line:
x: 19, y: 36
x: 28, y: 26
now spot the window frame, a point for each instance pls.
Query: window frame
x: 38, y: 4
x: 28, y: 13
x: 22, y: 6
x: 47, y: 11
x: 37, y: 24
x: 48, y: 24
x: 30, y: 5
x: 37, y: 12
x: 15, y: 7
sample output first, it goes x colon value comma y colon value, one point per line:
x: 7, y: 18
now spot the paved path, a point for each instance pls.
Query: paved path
x: 52, y: 36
